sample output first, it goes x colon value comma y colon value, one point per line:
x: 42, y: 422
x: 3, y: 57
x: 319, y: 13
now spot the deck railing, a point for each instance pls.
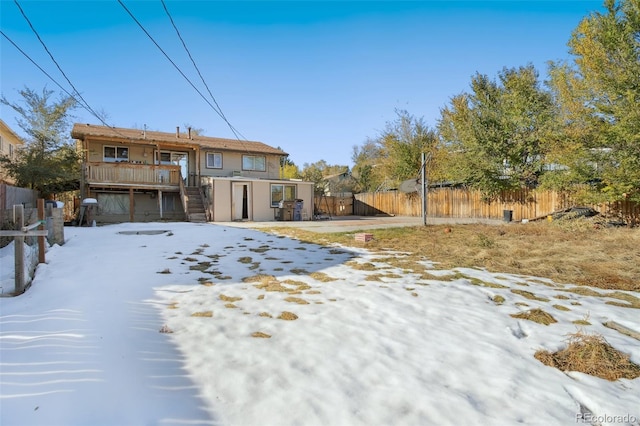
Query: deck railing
x: 132, y: 174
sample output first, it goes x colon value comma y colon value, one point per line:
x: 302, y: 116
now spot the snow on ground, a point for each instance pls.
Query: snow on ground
x: 372, y: 344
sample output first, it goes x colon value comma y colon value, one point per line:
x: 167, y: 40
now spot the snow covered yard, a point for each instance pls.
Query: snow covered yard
x: 264, y: 330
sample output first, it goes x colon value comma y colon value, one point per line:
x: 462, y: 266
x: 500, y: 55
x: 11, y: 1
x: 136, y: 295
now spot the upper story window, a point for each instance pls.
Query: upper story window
x: 11, y: 150
x: 214, y: 160
x: 114, y: 154
x: 254, y: 162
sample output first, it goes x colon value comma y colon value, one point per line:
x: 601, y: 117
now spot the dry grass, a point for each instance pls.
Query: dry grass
x: 536, y: 315
x: 571, y: 252
x: 229, y: 298
x: 288, y: 316
x: 321, y: 276
x: 206, y: 314
x: 498, y: 300
x: 296, y: 300
x: 261, y: 335
x: 529, y: 295
x: 591, y: 354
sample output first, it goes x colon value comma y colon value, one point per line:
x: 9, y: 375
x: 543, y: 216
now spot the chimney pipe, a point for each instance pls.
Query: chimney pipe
x: 189, y: 130
x: 177, y: 131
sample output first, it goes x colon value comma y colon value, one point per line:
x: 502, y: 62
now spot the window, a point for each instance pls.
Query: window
x: 280, y: 192
x: 214, y: 160
x: 113, y: 154
x: 10, y: 150
x: 254, y: 162
x: 1, y: 145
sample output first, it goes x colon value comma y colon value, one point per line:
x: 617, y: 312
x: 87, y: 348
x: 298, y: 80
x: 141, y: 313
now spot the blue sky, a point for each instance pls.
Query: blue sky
x: 315, y: 78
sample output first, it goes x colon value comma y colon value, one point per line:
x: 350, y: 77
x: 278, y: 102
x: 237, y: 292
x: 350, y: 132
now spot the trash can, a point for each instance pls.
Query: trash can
x: 286, y: 210
x: 297, y: 210
x: 507, y: 215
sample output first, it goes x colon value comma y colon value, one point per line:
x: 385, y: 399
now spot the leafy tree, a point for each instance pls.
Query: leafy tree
x: 401, y: 146
x: 606, y: 72
x: 365, y: 170
x: 48, y: 162
x: 318, y: 171
x: 395, y: 154
x: 498, y: 136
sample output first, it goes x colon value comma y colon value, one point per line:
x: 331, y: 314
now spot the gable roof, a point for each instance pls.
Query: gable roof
x: 91, y: 131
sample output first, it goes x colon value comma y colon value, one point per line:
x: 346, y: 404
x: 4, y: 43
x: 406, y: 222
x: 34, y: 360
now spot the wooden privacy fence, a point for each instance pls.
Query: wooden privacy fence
x: 333, y: 205
x: 466, y: 203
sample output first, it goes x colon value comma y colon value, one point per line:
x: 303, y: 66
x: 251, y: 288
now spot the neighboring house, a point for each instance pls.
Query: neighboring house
x: 10, y: 142
x: 142, y: 175
x: 339, y: 184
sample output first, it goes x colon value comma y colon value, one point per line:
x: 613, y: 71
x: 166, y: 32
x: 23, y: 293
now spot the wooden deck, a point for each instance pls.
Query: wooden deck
x: 127, y: 175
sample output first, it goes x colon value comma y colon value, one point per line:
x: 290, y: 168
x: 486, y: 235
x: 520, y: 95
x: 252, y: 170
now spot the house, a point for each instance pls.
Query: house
x: 142, y: 175
x: 10, y: 142
x: 340, y: 183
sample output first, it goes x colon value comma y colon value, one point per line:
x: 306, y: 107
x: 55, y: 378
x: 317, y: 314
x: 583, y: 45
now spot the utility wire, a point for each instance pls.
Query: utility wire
x: 41, y: 69
x: 233, y: 129
x: 170, y: 60
x: 86, y: 104
x: 59, y: 85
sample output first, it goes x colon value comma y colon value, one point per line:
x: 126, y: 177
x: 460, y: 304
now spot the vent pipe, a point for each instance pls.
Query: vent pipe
x: 189, y: 130
x: 177, y: 131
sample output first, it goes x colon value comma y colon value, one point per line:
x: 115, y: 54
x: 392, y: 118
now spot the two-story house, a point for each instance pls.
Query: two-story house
x: 10, y: 142
x: 142, y: 175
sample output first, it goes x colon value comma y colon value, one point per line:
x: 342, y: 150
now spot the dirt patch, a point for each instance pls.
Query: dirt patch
x: 261, y: 335
x: 591, y: 354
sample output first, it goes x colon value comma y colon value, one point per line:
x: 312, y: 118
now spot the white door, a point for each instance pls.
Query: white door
x: 241, y: 201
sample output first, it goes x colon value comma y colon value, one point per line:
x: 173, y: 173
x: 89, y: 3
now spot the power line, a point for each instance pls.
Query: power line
x: 59, y: 85
x: 40, y: 68
x: 170, y: 60
x: 233, y: 129
x: 86, y: 104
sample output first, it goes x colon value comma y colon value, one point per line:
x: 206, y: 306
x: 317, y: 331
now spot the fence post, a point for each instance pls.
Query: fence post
x: 18, y: 218
x: 41, y: 239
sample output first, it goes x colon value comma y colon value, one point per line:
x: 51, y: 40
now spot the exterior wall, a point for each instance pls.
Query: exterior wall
x: 220, y: 191
x: 10, y: 142
x: 137, y: 153
x: 115, y: 207
x: 232, y: 162
x: 262, y: 210
x: 222, y: 200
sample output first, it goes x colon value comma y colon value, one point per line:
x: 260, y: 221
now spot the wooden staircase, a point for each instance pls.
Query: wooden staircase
x: 194, y: 207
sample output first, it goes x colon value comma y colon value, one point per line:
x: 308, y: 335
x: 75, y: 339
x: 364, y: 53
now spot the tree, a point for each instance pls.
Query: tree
x: 318, y: 171
x: 498, y: 136
x: 395, y: 154
x: 401, y: 146
x: 365, y: 170
x: 48, y: 162
x: 606, y: 72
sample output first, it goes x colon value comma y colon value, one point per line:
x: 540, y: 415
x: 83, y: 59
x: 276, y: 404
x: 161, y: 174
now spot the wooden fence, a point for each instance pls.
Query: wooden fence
x: 465, y: 203
x: 333, y: 205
